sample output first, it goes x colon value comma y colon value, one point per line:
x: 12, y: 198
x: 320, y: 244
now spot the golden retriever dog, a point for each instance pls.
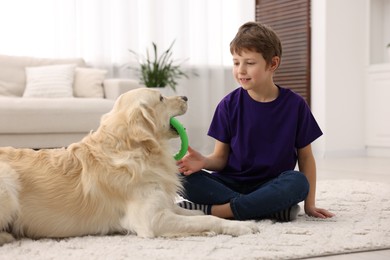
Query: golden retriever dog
x: 122, y: 178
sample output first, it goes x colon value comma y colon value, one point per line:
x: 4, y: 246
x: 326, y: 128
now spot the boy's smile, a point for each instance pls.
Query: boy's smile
x: 244, y: 80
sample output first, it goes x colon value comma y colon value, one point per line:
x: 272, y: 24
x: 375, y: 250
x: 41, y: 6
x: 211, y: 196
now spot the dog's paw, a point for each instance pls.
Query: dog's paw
x: 252, y: 226
x: 239, y: 228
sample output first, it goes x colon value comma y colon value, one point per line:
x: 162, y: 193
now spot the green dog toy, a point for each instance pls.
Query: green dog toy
x: 183, y: 138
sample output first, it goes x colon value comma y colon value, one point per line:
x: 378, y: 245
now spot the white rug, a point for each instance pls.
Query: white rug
x: 362, y: 223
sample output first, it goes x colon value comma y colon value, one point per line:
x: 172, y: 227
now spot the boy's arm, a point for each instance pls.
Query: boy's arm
x: 194, y: 161
x: 218, y: 159
x: 306, y: 164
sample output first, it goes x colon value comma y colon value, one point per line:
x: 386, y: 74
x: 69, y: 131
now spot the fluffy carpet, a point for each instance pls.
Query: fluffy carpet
x: 362, y: 223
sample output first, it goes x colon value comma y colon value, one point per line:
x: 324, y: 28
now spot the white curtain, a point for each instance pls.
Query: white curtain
x: 102, y: 32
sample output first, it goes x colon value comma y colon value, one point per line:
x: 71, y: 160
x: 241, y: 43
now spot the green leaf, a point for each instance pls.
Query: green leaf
x: 162, y: 71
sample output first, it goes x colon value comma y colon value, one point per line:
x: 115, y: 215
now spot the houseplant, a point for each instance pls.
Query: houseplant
x: 159, y: 71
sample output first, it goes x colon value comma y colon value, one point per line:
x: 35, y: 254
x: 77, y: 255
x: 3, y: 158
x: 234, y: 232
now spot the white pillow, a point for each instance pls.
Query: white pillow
x: 54, y: 81
x: 88, y: 82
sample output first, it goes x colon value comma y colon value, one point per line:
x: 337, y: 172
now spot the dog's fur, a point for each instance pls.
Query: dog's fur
x: 121, y: 178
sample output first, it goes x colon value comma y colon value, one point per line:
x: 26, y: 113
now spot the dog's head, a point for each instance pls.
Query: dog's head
x: 145, y: 114
x: 132, y: 141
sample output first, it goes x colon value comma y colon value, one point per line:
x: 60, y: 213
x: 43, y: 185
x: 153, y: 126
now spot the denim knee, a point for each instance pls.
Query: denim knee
x: 286, y: 190
x: 301, y: 184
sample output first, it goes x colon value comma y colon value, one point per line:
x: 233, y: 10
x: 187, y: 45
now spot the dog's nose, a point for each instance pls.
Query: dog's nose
x: 184, y: 98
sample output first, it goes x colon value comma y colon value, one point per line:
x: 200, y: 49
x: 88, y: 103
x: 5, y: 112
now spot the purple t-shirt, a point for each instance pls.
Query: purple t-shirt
x: 263, y: 137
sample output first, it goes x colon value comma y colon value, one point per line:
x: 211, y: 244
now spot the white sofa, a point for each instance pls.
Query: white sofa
x: 42, y: 120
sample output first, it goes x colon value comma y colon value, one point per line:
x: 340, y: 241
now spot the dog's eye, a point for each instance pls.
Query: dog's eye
x: 161, y: 98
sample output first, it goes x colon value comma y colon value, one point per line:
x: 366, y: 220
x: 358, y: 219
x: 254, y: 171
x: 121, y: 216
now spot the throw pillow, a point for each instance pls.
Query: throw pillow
x: 88, y: 82
x: 54, y: 81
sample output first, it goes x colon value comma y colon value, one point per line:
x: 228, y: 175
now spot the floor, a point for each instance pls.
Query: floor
x: 370, y: 169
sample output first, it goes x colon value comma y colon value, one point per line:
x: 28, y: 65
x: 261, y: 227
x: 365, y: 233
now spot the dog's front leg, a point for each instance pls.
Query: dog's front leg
x: 168, y: 223
x: 153, y: 220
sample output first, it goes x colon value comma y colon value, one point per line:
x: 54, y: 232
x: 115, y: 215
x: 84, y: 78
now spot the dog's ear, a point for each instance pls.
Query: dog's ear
x: 149, y: 116
x: 143, y: 129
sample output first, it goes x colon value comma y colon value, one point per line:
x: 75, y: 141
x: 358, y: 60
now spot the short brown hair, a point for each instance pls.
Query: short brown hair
x: 257, y: 37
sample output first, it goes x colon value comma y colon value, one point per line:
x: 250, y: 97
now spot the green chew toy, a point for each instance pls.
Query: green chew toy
x: 183, y: 138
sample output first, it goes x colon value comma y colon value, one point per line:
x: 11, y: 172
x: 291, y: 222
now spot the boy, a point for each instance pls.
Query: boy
x: 262, y: 130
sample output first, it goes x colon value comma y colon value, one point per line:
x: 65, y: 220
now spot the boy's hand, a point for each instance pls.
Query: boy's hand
x: 192, y: 162
x: 318, y: 212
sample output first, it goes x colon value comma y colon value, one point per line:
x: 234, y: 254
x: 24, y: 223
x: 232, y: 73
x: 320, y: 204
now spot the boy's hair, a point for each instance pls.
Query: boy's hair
x: 257, y: 37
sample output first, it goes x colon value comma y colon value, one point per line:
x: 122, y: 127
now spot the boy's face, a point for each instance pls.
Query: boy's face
x: 251, y: 70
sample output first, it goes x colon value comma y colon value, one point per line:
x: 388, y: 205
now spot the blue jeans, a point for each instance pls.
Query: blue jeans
x: 255, y: 201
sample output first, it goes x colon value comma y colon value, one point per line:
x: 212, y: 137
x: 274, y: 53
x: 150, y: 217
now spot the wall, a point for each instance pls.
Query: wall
x: 339, y: 58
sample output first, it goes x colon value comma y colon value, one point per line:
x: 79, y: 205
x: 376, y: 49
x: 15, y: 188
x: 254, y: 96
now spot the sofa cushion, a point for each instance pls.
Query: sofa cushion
x: 54, y: 81
x: 12, y: 71
x: 88, y: 82
x: 47, y: 115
